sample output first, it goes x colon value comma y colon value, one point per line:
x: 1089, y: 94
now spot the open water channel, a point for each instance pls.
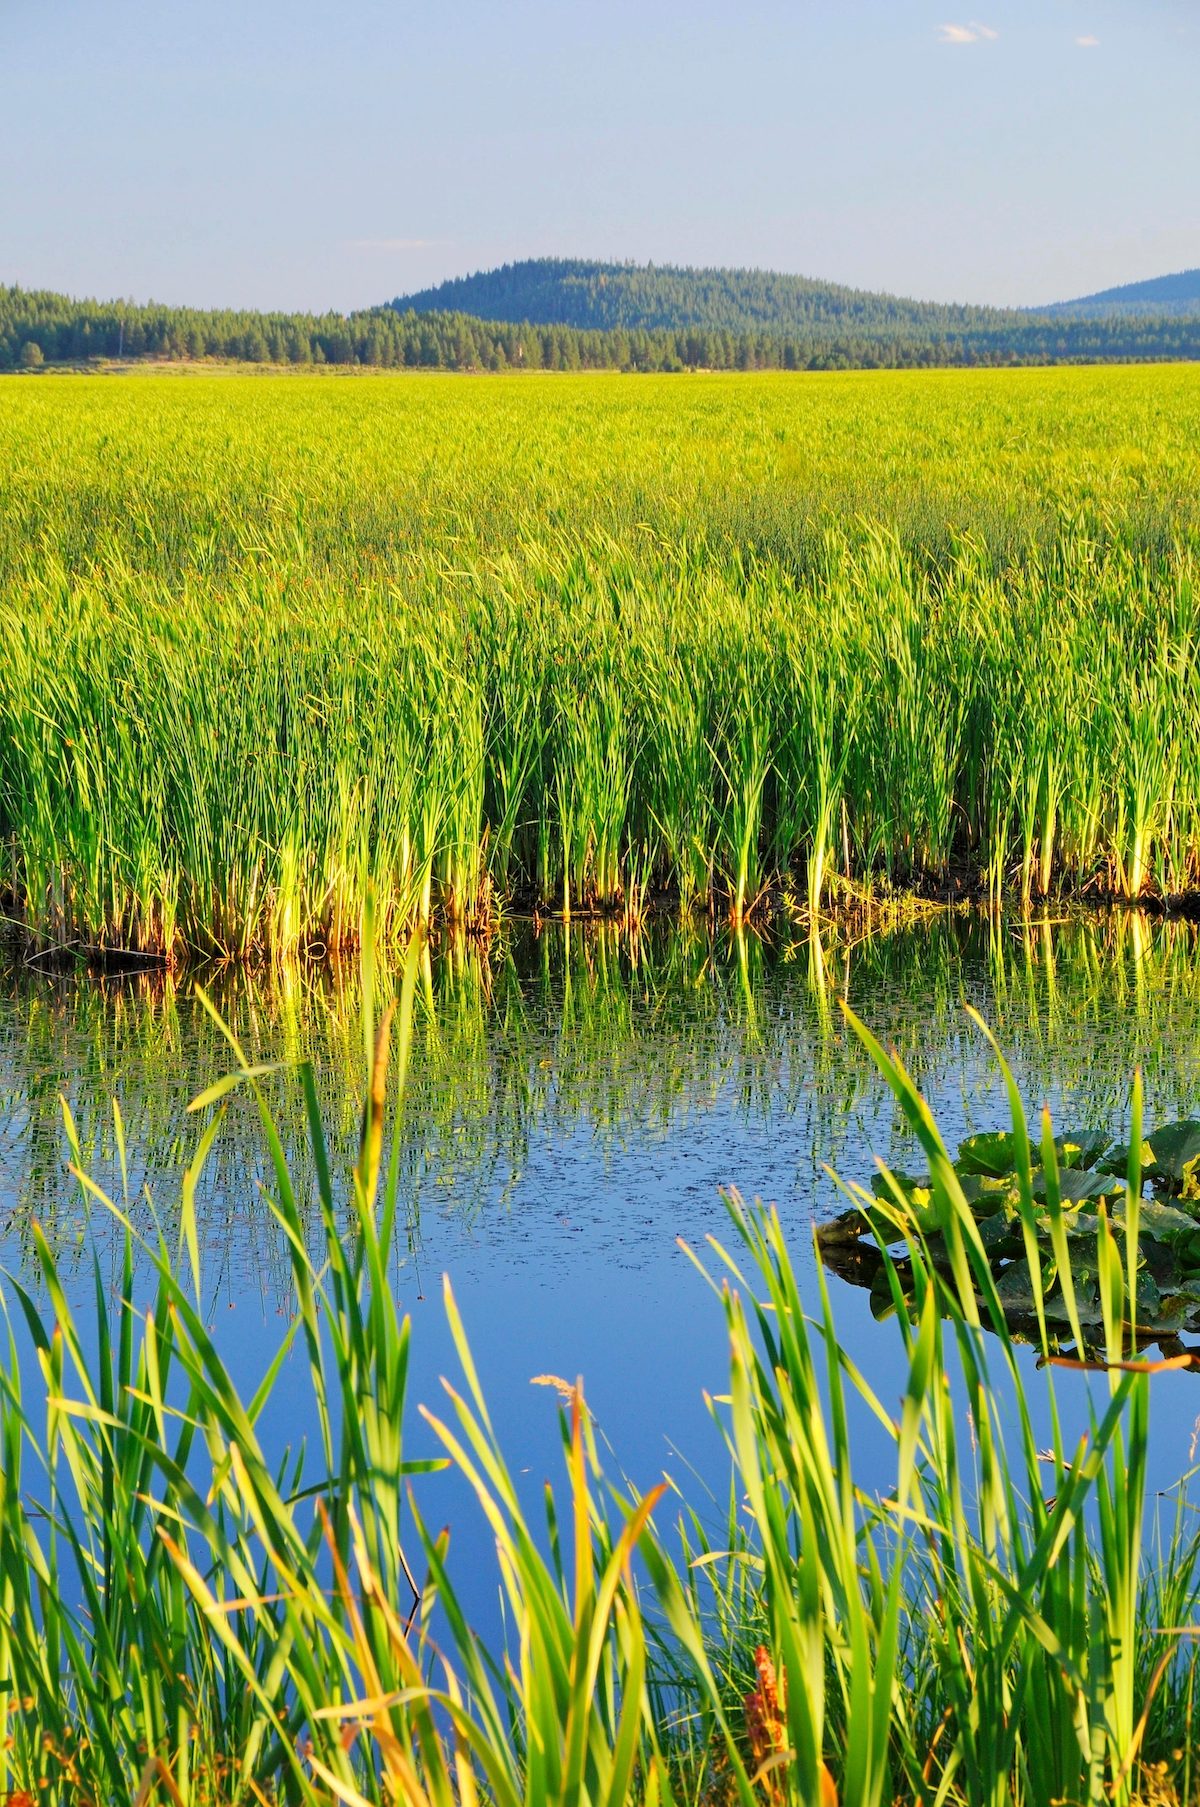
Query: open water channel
x: 576, y: 1102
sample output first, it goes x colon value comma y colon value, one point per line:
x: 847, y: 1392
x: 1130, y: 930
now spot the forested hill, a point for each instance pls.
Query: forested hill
x: 40, y: 329
x: 555, y: 291
x: 1173, y: 295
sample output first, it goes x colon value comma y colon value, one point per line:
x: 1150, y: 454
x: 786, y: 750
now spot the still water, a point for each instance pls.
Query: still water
x: 575, y: 1104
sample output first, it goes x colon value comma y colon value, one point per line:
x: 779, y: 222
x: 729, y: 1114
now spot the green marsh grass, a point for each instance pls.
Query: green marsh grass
x: 185, y: 1617
x: 577, y: 643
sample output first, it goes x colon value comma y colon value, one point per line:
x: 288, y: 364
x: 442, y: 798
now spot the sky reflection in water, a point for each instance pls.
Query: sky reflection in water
x: 575, y: 1103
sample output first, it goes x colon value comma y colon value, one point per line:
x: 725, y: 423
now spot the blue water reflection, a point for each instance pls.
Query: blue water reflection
x: 576, y: 1101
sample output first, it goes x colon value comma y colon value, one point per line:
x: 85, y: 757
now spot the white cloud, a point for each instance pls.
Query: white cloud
x: 393, y: 244
x: 1087, y: 43
x: 974, y: 33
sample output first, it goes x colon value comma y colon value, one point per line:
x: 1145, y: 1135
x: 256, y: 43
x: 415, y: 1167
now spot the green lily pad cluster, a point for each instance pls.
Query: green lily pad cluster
x: 1090, y: 1178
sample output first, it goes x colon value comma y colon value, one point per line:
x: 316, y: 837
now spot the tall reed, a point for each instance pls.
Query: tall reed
x: 569, y: 643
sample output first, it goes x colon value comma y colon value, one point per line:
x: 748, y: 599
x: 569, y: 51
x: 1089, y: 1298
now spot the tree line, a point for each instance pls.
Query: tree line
x: 38, y: 327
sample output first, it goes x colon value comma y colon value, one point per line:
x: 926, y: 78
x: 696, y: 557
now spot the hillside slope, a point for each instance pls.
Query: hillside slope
x: 1170, y: 295
x: 555, y: 291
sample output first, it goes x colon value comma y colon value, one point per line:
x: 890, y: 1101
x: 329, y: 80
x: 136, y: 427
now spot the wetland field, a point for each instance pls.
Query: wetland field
x: 579, y: 644
x: 503, y: 828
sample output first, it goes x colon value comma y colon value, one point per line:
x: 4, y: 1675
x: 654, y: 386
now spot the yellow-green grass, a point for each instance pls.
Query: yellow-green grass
x: 576, y: 642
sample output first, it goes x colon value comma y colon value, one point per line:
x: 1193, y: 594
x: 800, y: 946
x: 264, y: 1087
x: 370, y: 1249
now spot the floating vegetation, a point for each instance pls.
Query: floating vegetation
x: 1039, y: 1214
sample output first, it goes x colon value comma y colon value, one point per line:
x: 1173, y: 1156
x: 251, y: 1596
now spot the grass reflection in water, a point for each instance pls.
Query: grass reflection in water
x: 534, y: 1039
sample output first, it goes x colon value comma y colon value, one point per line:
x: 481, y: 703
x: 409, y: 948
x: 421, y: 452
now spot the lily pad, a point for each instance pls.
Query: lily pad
x: 918, y: 1197
x: 992, y: 1152
x: 1175, y: 1153
x: 1083, y: 1149
x: 1076, y: 1185
x: 1178, y: 1230
x: 1091, y: 1189
x: 1116, y: 1159
x: 1001, y: 1235
x: 982, y: 1189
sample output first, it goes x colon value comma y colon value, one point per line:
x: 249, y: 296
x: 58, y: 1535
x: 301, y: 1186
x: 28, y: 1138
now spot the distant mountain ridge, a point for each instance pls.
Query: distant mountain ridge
x: 593, y: 296
x: 1176, y: 294
x: 607, y: 297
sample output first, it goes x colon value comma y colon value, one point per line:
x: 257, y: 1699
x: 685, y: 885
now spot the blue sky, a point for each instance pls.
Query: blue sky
x: 259, y: 153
